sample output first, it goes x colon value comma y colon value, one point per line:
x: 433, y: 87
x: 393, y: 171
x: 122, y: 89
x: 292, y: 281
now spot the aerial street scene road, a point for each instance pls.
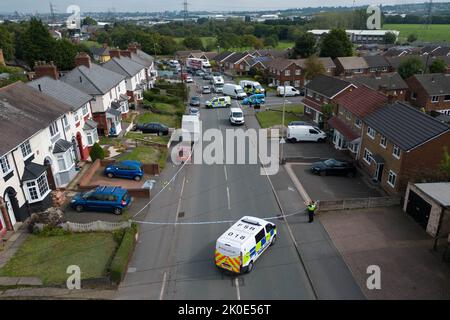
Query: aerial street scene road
x: 195, y: 153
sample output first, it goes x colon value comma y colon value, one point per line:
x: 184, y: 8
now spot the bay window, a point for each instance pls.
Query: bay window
x: 37, y: 189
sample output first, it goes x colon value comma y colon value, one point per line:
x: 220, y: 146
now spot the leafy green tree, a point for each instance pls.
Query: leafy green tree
x: 412, y: 37
x: 271, y: 41
x: 305, y: 45
x: 193, y: 42
x: 7, y: 42
x: 97, y: 152
x: 336, y: 44
x: 389, y: 37
x: 88, y: 21
x: 410, y: 67
x: 313, y: 67
x: 63, y: 54
x: 438, y: 66
x: 37, y: 42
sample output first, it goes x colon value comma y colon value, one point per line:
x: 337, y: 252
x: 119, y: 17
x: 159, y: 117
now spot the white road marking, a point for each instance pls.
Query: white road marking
x: 225, y: 170
x: 179, y: 200
x: 161, y: 294
x: 228, y: 196
x: 238, y: 292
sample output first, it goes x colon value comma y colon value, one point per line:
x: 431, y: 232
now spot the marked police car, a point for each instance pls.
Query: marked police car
x: 219, y: 102
x: 243, y: 243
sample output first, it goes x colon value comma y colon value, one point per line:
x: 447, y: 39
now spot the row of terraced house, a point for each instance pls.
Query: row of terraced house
x: 51, y: 123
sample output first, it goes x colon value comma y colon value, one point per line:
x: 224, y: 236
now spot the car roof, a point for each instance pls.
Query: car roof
x: 247, y: 227
x: 129, y: 163
x: 235, y: 109
x: 109, y: 190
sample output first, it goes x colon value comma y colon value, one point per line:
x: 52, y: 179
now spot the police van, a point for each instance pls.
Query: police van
x: 219, y: 102
x: 243, y: 243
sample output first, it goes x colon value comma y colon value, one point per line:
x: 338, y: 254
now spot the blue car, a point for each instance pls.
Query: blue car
x: 108, y: 199
x: 128, y: 169
x: 254, y: 99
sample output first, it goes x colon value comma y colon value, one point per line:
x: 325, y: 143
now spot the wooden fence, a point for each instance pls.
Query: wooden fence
x: 95, y: 226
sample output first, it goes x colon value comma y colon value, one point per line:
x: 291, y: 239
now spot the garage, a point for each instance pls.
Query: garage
x: 429, y: 205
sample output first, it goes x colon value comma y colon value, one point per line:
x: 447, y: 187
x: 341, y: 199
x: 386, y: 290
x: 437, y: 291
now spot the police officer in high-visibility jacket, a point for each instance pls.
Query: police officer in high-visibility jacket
x: 311, y: 208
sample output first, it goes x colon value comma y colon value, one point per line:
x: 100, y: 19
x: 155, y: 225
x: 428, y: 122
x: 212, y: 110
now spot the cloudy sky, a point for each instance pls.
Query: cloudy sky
x: 42, y: 6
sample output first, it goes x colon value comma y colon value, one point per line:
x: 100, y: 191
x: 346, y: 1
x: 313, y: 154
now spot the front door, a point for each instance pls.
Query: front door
x: 379, y: 172
x: 10, y: 209
x: 418, y: 208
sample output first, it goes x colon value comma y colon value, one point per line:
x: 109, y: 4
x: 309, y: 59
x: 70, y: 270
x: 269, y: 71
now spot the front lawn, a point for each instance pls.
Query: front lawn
x: 269, y: 119
x: 151, y: 137
x: 172, y: 121
x: 294, y: 108
x: 147, y: 154
x: 48, y: 257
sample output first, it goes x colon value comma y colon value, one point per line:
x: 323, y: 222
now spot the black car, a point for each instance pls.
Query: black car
x: 195, y: 101
x: 207, y: 76
x: 334, y: 167
x: 152, y: 127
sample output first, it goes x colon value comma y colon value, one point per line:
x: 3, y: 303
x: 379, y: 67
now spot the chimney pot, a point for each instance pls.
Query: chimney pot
x: 114, y: 53
x: 43, y: 69
x: 83, y: 59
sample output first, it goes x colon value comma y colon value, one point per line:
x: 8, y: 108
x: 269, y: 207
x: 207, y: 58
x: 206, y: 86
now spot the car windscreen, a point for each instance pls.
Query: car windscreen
x: 330, y: 162
x: 195, y: 98
x: 237, y: 114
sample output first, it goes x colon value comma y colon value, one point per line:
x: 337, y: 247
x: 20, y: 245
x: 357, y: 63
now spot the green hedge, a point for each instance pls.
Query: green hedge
x: 119, y: 264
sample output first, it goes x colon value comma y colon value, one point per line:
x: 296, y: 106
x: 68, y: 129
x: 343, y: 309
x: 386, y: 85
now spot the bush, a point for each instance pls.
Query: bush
x: 51, y: 231
x: 97, y: 152
x: 120, y: 261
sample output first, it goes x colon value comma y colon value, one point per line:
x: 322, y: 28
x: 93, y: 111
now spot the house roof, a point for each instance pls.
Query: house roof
x: 376, y: 61
x: 327, y: 62
x: 362, y: 101
x: 272, y: 52
x: 282, y: 63
x: 392, y: 81
x: 349, y: 63
x: 405, y: 126
x: 61, y: 91
x: 24, y: 111
x: 61, y: 146
x: 32, y: 171
x: 312, y: 104
x: 89, y: 125
x: 113, y: 112
x: 222, y: 56
x: 434, y: 84
x: 344, y: 129
x: 124, y: 66
x: 95, y: 80
x: 442, y: 51
x: 327, y: 86
x: 265, y: 60
x: 236, y: 57
x: 439, y: 191
x: 102, y: 51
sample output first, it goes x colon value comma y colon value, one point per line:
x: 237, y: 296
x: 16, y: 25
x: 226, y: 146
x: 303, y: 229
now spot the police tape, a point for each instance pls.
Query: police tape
x: 213, y: 222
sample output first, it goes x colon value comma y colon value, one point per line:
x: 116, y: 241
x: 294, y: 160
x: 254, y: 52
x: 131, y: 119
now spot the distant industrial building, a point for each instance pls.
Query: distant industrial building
x: 359, y: 36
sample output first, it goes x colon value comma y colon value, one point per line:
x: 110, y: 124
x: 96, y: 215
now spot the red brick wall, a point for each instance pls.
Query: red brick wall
x: 100, y: 118
x: 423, y: 99
x: 292, y: 77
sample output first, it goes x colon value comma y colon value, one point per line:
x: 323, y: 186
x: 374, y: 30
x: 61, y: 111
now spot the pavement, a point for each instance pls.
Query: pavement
x: 390, y: 239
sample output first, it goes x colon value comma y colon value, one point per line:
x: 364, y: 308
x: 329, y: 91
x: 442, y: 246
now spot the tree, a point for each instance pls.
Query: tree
x: 88, y: 21
x: 7, y: 42
x: 97, y: 152
x: 271, y: 41
x: 336, y: 44
x: 37, y: 42
x: 313, y: 67
x: 193, y: 43
x: 412, y: 37
x: 438, y: 66
x: 410, y: 67
x: 305, y: 45
x: 389, y: 37
x: 63, y: 54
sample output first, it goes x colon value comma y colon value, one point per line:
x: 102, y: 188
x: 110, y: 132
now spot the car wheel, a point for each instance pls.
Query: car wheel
x: 117, y: 211
x: 79, y: 208
x: 274, y: 239
x: 320, y: 140
x: 110, y: 175
x: 249, y: 267
x: 293, y: 140
x: 159, y: 133
x: 323, y: 173
x: 137, y: 178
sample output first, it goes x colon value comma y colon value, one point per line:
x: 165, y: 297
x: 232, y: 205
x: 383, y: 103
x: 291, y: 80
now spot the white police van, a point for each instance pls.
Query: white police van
x: 243, y: 243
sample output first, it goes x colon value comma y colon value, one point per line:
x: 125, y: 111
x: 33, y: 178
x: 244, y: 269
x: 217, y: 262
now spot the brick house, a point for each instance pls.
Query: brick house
x: 352, y: 107
x: 391, y: 84
x: 281, y: 71
x: 377, y: 64
x: 349, y: 66
x: 221, y: 58
x: 430, y: 91
x: 237, y: 63
x: 400, y: 144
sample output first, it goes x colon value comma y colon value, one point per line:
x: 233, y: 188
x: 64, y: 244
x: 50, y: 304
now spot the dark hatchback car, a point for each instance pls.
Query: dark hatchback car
x: 152, y: 127
x: 108, y: 199
x: 334, y: 167
x: 128, y: 169
x: 195, y: 101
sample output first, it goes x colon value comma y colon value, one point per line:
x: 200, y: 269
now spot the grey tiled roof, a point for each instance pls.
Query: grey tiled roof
x: 376, y: 61
x: 327, y: 86
x: 124, y: 66
x: 61, y: 91
x: 32, y: 171
x: 114, y: 112
x: 392, y: 81
x: 95, y: 80
x: 404, y: 125
x: 61, y: 146
x: 89, y: 125
x: 434, y: 84
x: 24, y: 111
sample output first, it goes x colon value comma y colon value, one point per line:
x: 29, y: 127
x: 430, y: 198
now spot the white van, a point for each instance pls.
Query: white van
x: 290, y: 91
x: 234, y: 90
x: 236, y: 116
x: 243, y: 243
x: 217, y: 80
x: 305, y: 133
x: 251, y: 87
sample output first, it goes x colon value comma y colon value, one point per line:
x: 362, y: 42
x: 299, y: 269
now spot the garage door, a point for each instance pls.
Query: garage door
x: 418, y: 208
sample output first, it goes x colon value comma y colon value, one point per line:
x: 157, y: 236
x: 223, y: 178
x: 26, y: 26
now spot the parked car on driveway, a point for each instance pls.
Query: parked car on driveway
x: 308, y: 132
x: 298, y: 123
x: 334, y: 167
x: 129, y: 169
x: 206, y: 90
x: 195, y: 101
x: 152, y: 127
x: 103, y: 198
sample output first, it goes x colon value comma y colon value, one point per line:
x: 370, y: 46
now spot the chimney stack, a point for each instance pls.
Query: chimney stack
x: 114, y: 53
x: 132, y: 47
x: 391, y: 98
x: 378, y: 74
x: 2, y: 58
x: 83, y: 59
x: 43, y: 69
x: 125, y: 53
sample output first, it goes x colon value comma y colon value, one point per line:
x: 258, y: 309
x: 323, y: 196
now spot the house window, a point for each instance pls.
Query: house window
x: 61, y: 163
x: 357, y: 70
x: 26, y: 149
x: 367, y: 156
x: 65, y: 122
x: 348, y: 115
x: 297, y: 72
x: 92, y: 137
x: 358, y: 122
x: 391, y: 178
x: 434, y: 99
x: 396, y: 152
x: 383, y: 141
x: 371, y: 132
x: 413, y: 95
x: 287, y: 83
x: 4, y: 163
x: 54, y: 129
x: 77, y: 117
x: 287, y: 72
x: 85, y: 110
x: 447, y: 97
x: 37, y: 189
x: 309, y: 93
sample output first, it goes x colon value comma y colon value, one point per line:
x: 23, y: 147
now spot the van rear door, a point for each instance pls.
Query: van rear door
x: 228, y: 255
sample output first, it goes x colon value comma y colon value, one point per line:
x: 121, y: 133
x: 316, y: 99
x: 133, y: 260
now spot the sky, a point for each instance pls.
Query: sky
x: 42, y: 6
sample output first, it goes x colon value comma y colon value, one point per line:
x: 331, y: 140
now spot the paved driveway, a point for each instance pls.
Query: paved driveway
x: 332, y: 187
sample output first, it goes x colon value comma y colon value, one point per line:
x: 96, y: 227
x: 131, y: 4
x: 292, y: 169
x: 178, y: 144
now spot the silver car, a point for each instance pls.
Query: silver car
x: 206, y: 90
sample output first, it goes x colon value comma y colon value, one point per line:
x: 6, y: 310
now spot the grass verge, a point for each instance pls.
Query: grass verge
x: 172, y: 121
x: 147, y: 154
x: 120, y: 261
x: 269, y: 119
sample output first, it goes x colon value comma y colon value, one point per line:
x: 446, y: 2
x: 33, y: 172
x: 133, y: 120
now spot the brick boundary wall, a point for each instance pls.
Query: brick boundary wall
x: 358, y: 203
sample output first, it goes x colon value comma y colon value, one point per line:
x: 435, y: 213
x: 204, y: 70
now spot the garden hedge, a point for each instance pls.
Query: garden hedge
x: 119, y: 264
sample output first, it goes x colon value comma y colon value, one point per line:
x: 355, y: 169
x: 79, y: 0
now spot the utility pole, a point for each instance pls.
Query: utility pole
x: 52, y: 13
x: 430, y: 6
x: 185, y: 11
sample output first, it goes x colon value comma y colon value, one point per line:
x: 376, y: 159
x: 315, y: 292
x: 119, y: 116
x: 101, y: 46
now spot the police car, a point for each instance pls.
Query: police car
x: 243, y: 243
x: 219, y: 102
